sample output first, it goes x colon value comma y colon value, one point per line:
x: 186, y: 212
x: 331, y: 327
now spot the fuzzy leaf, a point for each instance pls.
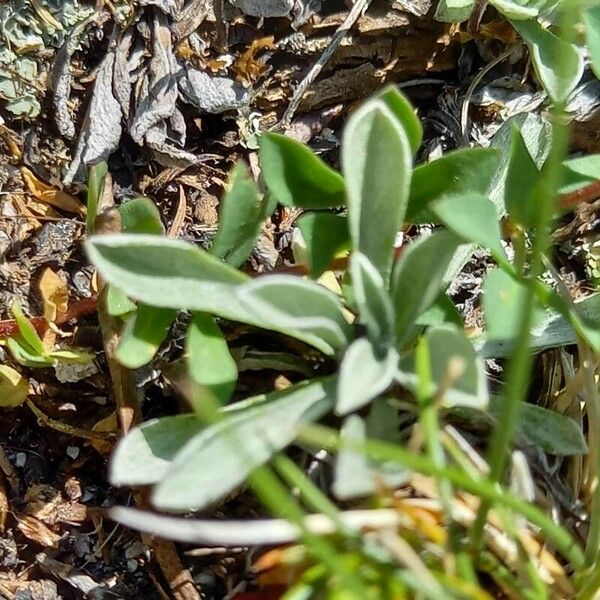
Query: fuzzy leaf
x: 363, y: 375
x: 27, y: 335
x: 355, y: 475
x: 377, y: 164
x: 240, y: 218
x: 144, y: 454
x: 287, y: 301
x: 173, y: 274
x: 209, y: 361
x: 450, y: 349
x: 465, y: 171
x: 405, y: 113
x: 222, y: 456
x: 514, y: 10
x: 142, y: 335
x: 418, y: 279
x: 373, y: 301
x: 296, y: 176
x: 558, y: 64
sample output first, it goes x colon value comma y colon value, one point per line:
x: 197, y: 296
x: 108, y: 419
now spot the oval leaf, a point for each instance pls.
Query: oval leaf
x: 465, y: 171
x: 363, y: 375
x: 473, y: 218
x: 377, y: 165
x: 13, y: 387
x: 405, y: 113
x: 222, y: 456
x: 240, y: 218
x: 558, y: 64
x: 449, y: 348
x: 296, y: 176
x: 142, y: 335
x: 419, y: 277
x: 208, y: 358
x: 287, y: 301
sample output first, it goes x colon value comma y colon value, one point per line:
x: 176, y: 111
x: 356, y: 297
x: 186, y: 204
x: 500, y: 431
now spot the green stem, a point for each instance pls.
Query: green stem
x: 322, y: 437
x: 428, y: 419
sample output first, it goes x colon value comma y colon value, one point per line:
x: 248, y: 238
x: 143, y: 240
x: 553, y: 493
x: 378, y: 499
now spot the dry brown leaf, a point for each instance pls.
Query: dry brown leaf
x: 248, y: 68
x: 49, y: 195
x: 55, y: 295
x: 108, y: 424
x: 36, y: 531
x: 10, y: 139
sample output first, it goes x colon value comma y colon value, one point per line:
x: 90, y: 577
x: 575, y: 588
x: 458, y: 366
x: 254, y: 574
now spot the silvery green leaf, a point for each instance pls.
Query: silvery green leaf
x: 558, y: 64
x: 363, y: 375
x: 355, y: 475
x: 174, y: 274
x: 287, y: 301
x: 221, y: 457
x: 377, y: 167
x: 457, y: 372
x: 144, y: 454
x: 419, y: 277
x: 372, y: 299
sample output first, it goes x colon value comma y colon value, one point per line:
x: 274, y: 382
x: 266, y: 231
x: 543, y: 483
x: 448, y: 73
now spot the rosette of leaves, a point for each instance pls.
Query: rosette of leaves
x: 388, y: 302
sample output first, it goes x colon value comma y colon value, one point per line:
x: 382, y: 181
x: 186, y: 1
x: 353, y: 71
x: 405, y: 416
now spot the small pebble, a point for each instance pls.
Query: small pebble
x: 20, y: 459
x: 132, y: 565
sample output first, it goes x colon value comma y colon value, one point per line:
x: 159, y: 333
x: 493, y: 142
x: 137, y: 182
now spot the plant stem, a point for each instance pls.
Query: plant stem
x: 428, y: 419
x: 322, y: 437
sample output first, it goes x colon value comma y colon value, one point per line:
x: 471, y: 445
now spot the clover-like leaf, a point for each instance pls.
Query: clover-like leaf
x: 240, y: 218
x: 296, y: 176
x: 209, y: 361
x: 458, y: 374
x: 558, y: 64
x: 377, y: 165
x: 219, y: 458
x: 363, y: 375
x: 142, y: 335
x: 418, y: 279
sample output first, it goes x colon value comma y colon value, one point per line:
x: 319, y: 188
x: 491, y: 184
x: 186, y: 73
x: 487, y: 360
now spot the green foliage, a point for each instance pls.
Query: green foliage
x: 241, y: 213
x: 376, y: 161
x: 394, y: 334
x: 431, y: 181
x: 296, y: 176
x: 28, y: 348
x: 324, y: 234
x: 591, y: 20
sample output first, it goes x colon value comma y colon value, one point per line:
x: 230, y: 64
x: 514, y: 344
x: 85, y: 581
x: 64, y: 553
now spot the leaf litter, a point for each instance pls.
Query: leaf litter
x: 172, y: 93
